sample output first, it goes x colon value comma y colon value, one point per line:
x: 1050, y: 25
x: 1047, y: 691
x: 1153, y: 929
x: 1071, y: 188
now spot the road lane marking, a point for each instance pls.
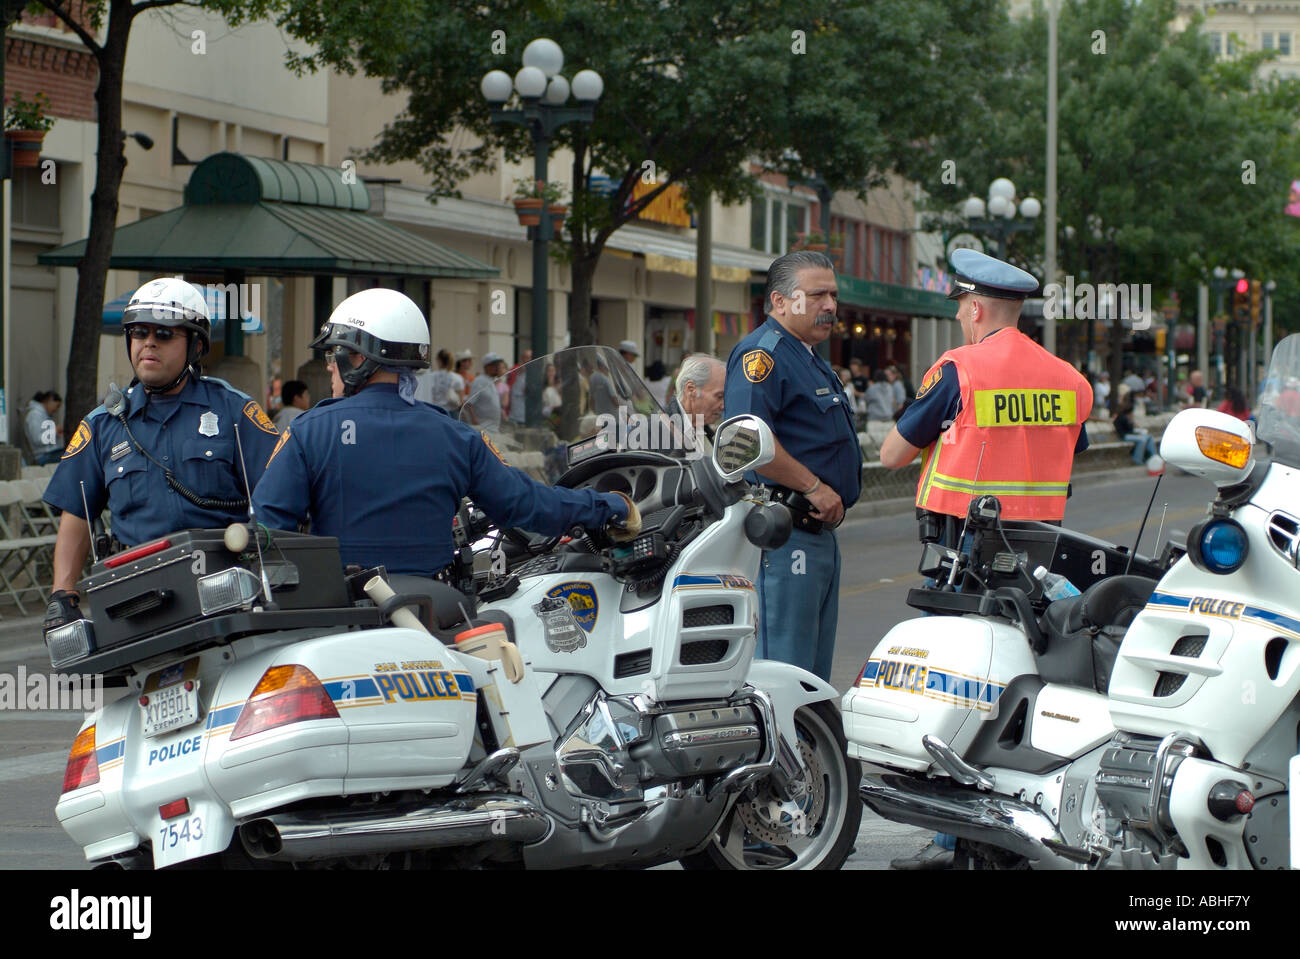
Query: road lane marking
x: 29, y: 767
x: 47, y: 715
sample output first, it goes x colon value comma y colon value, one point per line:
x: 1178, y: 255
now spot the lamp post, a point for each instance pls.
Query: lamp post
x: 1269, y: 287
x: 543, y: 94
x: 997, y: 217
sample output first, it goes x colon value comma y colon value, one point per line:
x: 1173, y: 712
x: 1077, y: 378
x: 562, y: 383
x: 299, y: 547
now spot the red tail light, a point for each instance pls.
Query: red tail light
x: 83, y: 767
x: 284, y: 695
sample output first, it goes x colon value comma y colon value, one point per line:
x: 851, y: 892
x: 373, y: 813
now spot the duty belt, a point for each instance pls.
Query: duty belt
x: 800, y: 508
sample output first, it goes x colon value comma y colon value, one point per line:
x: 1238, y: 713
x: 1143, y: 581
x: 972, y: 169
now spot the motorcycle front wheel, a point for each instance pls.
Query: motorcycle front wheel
x: 816, y: 831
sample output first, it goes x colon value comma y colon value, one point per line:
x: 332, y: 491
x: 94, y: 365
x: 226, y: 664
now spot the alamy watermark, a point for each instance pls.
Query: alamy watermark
x: 662, y: 432
x: 39, y: 691
x: 224, y: 299
x: 1130, y: 303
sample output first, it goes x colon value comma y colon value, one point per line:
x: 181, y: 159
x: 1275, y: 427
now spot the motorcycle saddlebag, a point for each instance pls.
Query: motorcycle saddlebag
x: 153, y: 587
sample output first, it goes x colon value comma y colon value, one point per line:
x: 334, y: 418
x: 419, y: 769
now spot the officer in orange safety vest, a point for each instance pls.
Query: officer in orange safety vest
x: 999, y: 415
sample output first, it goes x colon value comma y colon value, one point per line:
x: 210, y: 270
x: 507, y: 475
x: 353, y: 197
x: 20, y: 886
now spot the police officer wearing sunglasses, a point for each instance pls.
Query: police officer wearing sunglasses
x: 162, y: 456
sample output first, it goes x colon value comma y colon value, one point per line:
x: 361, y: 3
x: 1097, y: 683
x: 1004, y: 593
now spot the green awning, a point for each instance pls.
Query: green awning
x: 271, y: 217
x: 893, y: 298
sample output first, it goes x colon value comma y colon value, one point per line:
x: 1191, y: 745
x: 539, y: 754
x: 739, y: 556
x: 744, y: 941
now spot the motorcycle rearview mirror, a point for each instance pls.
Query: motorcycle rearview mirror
x: 768, y: 525
x: 1210, y: 444
x: 741, y: 444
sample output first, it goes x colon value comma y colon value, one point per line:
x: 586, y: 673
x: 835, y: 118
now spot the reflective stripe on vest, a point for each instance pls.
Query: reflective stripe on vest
x: 1016, y: 443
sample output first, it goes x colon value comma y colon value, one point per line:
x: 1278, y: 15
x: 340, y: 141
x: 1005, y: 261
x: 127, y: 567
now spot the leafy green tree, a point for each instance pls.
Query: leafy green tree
x: 104, y: 26
x: 694, y: 90
x: 1170, y: 162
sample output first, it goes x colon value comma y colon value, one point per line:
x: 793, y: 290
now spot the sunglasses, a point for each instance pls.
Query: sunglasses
x: 334, y: 353
x: 142, y: 332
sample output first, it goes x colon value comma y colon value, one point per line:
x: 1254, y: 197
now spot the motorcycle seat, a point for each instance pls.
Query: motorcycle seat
x: 1084, y: 632
x: 450, y: 605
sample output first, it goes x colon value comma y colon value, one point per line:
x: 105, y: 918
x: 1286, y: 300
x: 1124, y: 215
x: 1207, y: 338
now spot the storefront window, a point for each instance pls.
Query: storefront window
x: 795, y: 223
x: 758, y: 224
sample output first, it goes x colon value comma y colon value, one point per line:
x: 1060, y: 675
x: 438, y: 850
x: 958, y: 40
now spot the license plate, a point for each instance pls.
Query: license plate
x: 170, y: 708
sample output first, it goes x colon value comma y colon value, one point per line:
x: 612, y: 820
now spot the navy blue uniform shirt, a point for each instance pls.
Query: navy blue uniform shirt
x: 191, y: 433
x: 386, y: 478
x: 774, y: 376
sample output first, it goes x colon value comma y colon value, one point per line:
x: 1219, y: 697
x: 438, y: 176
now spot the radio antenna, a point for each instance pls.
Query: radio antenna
x: 1143, y: 526
x: 1161, y: 528
x: 252, y: 519
x: 952, y: 576
x: 94, y: 553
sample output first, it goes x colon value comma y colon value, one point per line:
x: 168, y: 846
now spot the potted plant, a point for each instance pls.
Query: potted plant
x: 815, y: 241
x: 26, y: 124
x: 531, y: 195
x: 836, y: 250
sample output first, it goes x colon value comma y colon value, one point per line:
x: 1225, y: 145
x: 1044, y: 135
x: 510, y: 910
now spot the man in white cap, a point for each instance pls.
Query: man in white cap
x: 484, y: 404
x: 630, y: 352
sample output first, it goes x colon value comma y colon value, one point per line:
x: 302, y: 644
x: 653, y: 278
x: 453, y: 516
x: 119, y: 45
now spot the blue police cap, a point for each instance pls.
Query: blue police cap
x: 980, y: 273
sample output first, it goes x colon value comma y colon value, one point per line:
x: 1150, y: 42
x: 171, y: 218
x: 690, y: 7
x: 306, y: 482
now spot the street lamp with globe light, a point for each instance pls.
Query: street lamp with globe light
x: 997, y: 217
x: 543, y: 94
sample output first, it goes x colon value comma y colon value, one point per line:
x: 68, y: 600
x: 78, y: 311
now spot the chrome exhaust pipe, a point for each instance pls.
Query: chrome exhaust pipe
x: 333, y: 834
x: 982, y: 817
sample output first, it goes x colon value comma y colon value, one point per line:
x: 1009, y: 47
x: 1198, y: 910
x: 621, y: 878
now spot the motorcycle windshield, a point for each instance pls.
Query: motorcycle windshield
x: 1278, y: 420
x: 567, y: 407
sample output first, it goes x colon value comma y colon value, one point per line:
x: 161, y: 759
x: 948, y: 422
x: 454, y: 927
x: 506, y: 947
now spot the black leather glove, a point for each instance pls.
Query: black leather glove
x: 64, y: 607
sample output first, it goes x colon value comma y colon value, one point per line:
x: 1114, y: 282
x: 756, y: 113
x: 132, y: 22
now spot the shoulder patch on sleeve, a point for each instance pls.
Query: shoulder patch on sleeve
x: 934, y: 376
x: 492, y: 446
x: 757, y: 364
x: 254, y: 411
x: 80, y: 440
x: 284, y: 438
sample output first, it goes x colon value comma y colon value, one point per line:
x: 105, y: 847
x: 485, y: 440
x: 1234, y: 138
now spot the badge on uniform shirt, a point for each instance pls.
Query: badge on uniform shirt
x: 118, y: 451
x: 757, y: 364
x: 78, y: 441
x: 492, y: 446
x: 934, y: 376
x: 284, y: 438
x: 824, y: 391
x: 254, y: 411
x: 208, y: 424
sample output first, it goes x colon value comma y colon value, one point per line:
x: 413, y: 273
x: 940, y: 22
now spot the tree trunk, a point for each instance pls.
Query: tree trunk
x: 92, y: 272
x: 580, y: 328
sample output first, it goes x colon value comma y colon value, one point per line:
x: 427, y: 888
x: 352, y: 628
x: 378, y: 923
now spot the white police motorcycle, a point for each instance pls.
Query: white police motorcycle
x: 602, y: 706
x: 987, y: 718
x: 1205, y: 691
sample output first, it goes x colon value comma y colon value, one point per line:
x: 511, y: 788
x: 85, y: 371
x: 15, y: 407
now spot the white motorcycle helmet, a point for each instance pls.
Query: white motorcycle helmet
x: 384, y: 326
x: 172, y: 302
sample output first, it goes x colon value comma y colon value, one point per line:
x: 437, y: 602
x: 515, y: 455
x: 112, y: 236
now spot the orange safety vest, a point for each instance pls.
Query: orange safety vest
x: 1026, y: 433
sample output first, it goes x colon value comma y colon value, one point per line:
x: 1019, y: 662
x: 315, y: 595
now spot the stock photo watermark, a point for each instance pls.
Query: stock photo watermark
x: 1130, y: 303
x: 35, y: 692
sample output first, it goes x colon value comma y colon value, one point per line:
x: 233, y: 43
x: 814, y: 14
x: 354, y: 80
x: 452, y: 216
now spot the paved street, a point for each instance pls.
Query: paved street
x: 880, y: 557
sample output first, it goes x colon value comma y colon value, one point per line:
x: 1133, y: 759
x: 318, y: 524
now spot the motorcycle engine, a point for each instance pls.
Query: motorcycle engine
x: 618, y: 746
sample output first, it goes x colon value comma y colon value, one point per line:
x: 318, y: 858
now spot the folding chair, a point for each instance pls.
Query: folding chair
x: 38, y: 518
x: 19, y: 555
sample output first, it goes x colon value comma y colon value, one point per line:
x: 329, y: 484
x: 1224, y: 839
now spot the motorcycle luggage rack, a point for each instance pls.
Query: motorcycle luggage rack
x: 219, y: 629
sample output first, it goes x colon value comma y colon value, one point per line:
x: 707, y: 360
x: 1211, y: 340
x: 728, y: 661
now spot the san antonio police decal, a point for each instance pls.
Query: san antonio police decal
x: 582, y: 599
x: 560, y: 626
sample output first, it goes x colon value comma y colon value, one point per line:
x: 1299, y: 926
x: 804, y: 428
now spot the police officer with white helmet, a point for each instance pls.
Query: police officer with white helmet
x: 163, y: 455
x: 385, y: 473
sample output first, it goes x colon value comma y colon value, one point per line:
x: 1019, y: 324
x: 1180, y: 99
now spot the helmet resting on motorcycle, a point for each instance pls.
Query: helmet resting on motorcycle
x: 172, y: 302
x: 384, y: 326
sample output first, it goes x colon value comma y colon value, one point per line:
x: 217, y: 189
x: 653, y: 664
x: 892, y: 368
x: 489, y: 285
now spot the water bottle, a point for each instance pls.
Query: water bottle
x: 1055, y: 586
